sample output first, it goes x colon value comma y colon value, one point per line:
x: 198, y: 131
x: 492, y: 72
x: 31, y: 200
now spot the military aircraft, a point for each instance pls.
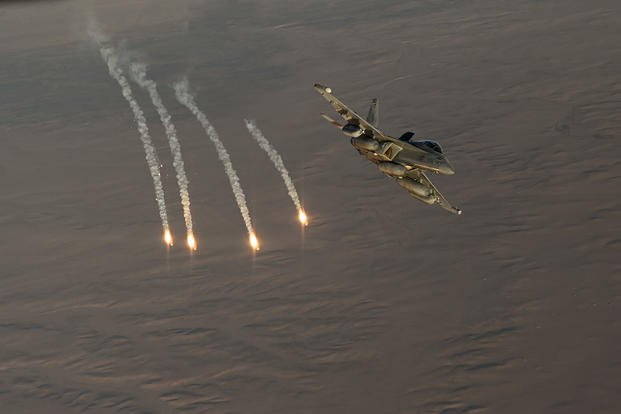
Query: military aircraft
x: 404, y: 159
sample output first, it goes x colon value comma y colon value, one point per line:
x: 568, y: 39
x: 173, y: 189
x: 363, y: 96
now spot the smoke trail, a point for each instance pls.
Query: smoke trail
x: 276, y: 160
x: 138, y: 73
x: 109, y: 55
x: 185, y: 98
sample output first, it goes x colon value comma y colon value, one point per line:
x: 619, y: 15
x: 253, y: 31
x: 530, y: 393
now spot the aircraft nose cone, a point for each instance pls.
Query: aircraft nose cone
x: 446, y: 168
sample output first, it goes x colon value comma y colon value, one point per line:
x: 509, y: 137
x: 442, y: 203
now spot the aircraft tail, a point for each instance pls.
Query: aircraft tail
x: 373, y: 116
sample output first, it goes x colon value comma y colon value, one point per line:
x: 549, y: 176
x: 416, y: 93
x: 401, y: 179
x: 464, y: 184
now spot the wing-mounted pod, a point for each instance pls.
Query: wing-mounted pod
x: 352, y: 130
x: 392, y: 169
x: 365, y: 143
x: 424, y: 190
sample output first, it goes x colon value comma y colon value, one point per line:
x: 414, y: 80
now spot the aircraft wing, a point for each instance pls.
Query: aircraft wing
x: 422, y: 177
x: 352, y: 117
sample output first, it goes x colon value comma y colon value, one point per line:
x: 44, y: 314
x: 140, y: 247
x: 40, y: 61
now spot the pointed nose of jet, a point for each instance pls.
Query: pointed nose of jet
x: 446, y: 168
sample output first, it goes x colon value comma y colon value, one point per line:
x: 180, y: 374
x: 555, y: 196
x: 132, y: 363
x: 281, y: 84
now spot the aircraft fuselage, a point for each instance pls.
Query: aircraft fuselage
x: 408, y: 156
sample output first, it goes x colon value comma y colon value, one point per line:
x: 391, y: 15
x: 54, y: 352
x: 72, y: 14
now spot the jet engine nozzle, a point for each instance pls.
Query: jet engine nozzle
x: 352, y: 130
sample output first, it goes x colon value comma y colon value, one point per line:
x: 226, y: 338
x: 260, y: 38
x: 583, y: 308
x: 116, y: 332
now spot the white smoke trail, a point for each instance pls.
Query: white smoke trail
x: 109, y: 55
x: 138, y: 73
x: 182, y: 91
x: 265, y: 145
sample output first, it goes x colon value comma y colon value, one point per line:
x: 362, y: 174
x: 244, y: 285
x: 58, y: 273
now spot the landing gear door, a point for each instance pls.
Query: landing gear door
x: 388, y: 151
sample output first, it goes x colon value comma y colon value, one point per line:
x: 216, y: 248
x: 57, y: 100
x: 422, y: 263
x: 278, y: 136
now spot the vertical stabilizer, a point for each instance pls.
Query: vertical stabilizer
x: 373, y: 116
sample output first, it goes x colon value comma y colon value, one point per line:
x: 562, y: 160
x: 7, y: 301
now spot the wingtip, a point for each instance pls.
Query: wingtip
x: 322, y: 88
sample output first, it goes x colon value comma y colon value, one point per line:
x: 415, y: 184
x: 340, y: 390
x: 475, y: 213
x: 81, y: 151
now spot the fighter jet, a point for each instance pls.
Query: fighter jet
x: 404, y: 159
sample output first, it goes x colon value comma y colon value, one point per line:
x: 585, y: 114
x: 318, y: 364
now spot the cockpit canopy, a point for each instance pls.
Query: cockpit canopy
x: 427, y: 144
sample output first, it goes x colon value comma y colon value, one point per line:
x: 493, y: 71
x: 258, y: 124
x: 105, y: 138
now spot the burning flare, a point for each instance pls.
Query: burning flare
x: 279, y: 164
x: 138, y: 72
x: 191, y: 242
x: 168, y: 238
x: 112, y: 59
x: 303, y: 217
x: 182, y: 91
x: 254, y: 242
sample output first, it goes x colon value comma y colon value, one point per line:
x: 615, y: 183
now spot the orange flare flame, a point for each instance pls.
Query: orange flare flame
x: 303, y: 217
x: 168, y: 238
x: 191, y: 242
x: 254, y: 242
